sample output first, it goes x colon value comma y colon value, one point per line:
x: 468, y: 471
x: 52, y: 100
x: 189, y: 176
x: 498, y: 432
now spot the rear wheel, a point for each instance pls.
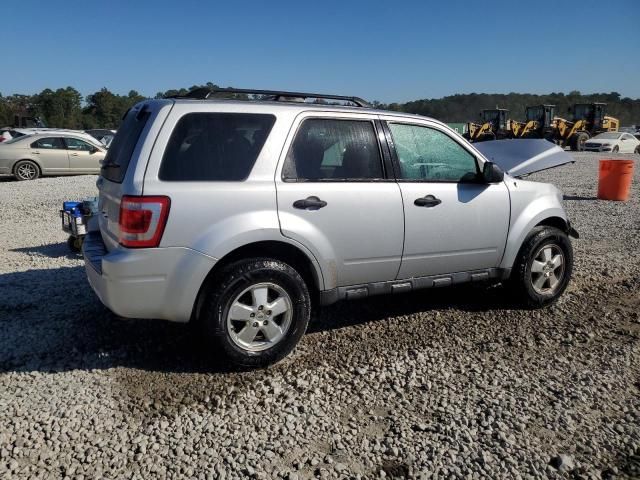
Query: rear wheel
x: 543, y: 267
x: 26, y: 170
x: 255, y: 312
x: 74, y: 244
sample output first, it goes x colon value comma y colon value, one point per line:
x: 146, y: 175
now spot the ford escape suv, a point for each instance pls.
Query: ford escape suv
x: 239, y: 214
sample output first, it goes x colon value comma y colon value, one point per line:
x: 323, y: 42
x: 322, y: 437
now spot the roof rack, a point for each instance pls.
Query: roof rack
x: 205, y: 93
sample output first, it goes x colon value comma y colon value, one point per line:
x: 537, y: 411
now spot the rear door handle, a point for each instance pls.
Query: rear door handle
x: 309, y: 203
x: 427, y: 201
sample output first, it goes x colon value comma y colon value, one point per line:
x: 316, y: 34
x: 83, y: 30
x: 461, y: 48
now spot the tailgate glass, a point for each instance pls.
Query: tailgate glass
x: 119, y: 154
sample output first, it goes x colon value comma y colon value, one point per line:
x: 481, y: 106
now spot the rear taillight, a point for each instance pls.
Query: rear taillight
x: 142, y: 220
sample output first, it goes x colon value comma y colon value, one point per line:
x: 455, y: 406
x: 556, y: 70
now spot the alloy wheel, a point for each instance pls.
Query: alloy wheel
x: 27, y: 171
x: 547, y: 269
x: 259, y: 317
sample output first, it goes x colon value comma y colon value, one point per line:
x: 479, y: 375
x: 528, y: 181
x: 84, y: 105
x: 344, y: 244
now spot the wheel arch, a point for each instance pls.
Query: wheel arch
x: 286, y: 252
x: 558, y: 222
x: 553, y: 217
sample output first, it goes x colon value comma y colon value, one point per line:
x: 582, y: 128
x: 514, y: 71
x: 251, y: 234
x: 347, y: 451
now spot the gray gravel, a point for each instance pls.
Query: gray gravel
x: 440, y: 384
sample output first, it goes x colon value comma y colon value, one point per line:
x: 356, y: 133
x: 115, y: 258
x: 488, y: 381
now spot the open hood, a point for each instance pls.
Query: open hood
x: 525, y: 156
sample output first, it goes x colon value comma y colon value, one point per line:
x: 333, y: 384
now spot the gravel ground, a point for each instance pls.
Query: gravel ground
x: 443, y: 384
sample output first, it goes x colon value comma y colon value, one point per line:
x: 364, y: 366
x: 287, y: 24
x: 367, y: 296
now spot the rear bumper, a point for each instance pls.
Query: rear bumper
x: 160, y: 283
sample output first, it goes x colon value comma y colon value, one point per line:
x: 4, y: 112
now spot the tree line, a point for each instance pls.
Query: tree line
x: 467, y: 107
x: 67, y: 108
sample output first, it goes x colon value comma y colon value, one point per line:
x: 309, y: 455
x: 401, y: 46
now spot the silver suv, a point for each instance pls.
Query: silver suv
x: 240, y: 215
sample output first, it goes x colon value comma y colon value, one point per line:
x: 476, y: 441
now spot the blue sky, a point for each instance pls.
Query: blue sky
x: 387, y: 51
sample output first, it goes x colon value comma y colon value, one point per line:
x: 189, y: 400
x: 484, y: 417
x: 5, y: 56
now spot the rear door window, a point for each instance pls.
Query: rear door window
x: 334, y: 150
x: 49, y: 143
x: 121, y: 149
x: 215, y: 146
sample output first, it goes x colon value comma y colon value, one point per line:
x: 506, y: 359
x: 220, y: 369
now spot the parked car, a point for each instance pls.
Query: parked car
x: 614, y: 142
x: 8, y: 133
x: 52, y: 153
x: 239, y: 215
x: 103, y: 135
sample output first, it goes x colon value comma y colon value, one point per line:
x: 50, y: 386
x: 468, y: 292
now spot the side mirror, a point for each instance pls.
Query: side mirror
x: 94, y: 150
x: 491, y: 173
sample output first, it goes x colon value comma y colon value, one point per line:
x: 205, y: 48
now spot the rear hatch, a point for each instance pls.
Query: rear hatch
x: 122, y: 171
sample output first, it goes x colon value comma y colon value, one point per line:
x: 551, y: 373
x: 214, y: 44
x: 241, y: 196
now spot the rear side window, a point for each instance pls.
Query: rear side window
x: 117, y: 159
x: 49, y: 143
x: 215, y: 146
x: 334, y: 150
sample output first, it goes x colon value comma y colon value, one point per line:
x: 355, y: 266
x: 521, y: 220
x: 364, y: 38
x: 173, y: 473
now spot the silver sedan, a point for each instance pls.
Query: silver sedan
x: 51, y: 153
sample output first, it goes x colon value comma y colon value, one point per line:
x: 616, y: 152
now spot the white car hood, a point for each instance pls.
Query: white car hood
x: 520, y: 157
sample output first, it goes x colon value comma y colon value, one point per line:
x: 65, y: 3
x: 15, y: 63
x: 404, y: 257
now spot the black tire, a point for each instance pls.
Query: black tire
x: 581, y: 139
x: 26, y: 170
x: 521, y: 281
x: 578, y: 141
x: 74, y: 244
x: 637, y: 150
x: 224, y: 289
x: 615, y: 149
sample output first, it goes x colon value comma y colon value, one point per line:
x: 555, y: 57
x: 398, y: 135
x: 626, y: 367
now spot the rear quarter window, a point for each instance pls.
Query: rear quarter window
x: 215, y: 146
x: 116, y: 161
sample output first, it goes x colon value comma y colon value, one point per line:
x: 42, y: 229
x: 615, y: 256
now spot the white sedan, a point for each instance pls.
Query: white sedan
x: 614, y: 142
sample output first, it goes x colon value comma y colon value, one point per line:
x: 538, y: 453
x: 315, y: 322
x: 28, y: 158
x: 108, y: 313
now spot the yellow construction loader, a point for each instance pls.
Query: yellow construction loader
x: 495, y: 125
x: 538, y: 123
x: 589, y: 119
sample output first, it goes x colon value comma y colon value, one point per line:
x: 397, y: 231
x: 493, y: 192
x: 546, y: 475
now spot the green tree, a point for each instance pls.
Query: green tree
x: 60, y: 109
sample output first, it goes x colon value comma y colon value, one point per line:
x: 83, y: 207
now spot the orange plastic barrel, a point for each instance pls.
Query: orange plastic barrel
x: 614, y: 180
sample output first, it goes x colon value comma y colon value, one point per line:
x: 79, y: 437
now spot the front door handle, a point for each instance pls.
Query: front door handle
x: 309, y: 203
x: 73, y: 154
x: 427, y: 201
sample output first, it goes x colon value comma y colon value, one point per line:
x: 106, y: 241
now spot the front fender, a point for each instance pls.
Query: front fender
x: 531, y: 216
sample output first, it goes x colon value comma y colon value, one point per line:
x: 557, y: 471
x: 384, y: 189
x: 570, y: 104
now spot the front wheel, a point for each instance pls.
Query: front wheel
x: 615, y: 149
x: 543, y: 267
x: 255, y: 311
